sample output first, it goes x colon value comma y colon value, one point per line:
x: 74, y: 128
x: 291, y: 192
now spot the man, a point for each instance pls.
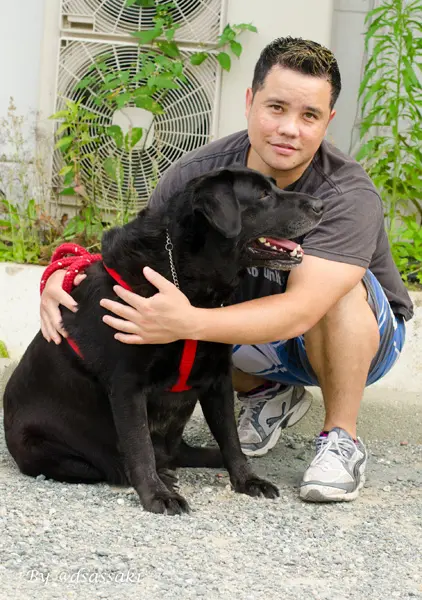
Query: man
x: 338, y: 318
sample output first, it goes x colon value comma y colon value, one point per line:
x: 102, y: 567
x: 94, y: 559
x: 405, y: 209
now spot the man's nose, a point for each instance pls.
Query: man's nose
x: 288, y: 126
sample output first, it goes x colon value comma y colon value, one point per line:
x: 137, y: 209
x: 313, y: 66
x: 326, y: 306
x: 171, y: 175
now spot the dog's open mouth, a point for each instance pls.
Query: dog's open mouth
x: 275, y: 253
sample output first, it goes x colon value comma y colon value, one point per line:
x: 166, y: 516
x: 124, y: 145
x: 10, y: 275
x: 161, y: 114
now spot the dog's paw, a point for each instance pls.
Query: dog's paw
x: 255, y: 486
x: 167, y: 503
x: 170, y: 479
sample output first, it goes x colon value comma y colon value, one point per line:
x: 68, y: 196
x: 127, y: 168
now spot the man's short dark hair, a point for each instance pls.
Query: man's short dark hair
x: 303, y: 56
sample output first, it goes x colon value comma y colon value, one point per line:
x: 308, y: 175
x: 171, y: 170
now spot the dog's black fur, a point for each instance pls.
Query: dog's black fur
x: 109, y: 417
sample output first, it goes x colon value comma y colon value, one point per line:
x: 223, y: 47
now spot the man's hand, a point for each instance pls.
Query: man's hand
x: 163, y: 318
x: 52, y: 296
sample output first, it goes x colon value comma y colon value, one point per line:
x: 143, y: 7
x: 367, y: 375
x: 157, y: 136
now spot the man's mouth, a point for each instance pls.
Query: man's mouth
x: 275, y: 253
x: 285, y: 149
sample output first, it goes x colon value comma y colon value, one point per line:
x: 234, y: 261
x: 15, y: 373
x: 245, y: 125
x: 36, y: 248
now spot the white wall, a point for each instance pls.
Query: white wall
x: 348, y: 45
x: 310, y: 19
x: 21, y: 32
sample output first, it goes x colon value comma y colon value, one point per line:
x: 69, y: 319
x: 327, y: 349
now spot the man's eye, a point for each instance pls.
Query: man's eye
x: 310, y: 115
x: 276, y: 107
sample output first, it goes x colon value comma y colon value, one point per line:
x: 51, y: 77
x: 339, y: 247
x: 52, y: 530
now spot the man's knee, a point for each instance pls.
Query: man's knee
x: 351, y: 312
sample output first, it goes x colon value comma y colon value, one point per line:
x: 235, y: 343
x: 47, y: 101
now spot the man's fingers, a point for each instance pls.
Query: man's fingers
x: 127, y: 312
x: 161, y: 283
x: 120, y: 325
x: 79, y: 279
x: 66, y: 300
x: 44, y: 332
x: 128, y: 338
x: 50, y: 329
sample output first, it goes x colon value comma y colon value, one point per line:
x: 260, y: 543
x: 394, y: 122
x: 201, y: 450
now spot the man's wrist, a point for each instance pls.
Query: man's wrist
x: 197, y: 322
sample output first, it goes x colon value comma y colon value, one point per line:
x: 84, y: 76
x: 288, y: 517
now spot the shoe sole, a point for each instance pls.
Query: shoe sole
x: 323, y: 493
x: 295, y: 416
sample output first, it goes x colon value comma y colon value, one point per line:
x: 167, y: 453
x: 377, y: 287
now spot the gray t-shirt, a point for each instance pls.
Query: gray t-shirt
x: 352, y: 228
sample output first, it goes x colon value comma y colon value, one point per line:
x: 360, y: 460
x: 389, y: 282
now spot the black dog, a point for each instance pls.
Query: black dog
x: 109, y: 416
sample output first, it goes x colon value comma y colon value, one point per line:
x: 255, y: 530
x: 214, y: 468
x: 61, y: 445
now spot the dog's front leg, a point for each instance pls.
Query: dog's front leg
x: 130, y: 414
x: 218, y: 407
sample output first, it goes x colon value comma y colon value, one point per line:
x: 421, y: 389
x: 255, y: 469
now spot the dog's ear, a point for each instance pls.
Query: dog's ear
x: 216, y: 200
x: 113, y: 243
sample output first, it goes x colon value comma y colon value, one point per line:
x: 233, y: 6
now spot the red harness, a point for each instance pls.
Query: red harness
x: 77, y: 263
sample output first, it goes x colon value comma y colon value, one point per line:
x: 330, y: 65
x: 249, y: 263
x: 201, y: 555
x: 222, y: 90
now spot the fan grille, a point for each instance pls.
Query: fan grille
x: 199, y: 20
x: 185, y: 125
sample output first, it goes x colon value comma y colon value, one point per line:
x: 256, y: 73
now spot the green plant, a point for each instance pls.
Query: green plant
x: 28, y: 233
x: 390, y: 91
x: 26, y: 229
x: 407, y: 251
x: 390, y: 127
x: 159, y: 68
x: 3, y: 350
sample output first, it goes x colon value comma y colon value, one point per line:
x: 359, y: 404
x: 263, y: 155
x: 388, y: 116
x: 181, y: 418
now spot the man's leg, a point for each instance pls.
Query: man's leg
x: 340, y: 349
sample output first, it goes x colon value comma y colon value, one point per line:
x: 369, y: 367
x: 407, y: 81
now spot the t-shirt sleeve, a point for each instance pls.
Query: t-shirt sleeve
x: 170, y: 183
x: 348, y: 230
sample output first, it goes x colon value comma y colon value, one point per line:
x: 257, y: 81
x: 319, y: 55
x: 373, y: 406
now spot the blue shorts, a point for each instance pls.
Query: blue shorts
x: 287, y: 362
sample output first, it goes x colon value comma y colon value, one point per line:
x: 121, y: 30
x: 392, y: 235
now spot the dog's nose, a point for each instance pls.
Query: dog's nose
x: 317, y: 206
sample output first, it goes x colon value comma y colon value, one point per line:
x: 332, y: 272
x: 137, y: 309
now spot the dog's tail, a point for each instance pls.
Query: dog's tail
x: 190, y: 456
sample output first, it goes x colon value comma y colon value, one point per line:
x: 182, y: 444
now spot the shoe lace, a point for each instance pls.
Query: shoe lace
x: 343, y: 447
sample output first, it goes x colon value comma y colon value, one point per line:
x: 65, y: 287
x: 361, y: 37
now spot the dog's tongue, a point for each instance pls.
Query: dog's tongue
x: 287, y: 245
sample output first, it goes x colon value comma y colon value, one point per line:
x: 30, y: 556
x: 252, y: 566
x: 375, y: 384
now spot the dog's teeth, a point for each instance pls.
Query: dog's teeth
x: 262, y: 240
x: 274, y: 247
x: 293, y: 252
x: 268, y: 244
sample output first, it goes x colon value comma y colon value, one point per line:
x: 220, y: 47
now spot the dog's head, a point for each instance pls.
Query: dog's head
x: 247, y: 207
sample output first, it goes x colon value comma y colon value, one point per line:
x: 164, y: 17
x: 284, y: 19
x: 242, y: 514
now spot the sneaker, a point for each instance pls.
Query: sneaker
x: 266, y: 411
x: 337, y: 472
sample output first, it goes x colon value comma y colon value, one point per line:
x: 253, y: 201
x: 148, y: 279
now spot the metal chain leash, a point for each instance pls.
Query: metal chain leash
x: 169, y: 247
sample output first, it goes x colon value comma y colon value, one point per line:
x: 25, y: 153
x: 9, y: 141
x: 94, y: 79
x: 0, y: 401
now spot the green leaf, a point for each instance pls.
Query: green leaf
x: 115, y: 132
x: 164, y: 83
x: 132, y: 137
x: 411, y: 73
x: 224, y: 60
x: 64, y: 142
x: 61, y: 114
x: 123, y: 99
x: 368, y: 75
x: 62, y: 128
x: 148, y: 104
x: 246, y: 27
x: 147, y: 36
x: 114, y: 169
x: 170, y: 33
x: 67, y: 169
x: 169, y: 48
x: 236, y: 48
x: 68, y: 192
x: 198, y: 58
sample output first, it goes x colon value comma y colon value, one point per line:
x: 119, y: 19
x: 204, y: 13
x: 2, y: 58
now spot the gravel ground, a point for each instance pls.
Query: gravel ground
x: 86, y: 542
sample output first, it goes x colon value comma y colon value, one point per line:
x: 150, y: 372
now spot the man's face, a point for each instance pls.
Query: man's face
x: 287, y: 120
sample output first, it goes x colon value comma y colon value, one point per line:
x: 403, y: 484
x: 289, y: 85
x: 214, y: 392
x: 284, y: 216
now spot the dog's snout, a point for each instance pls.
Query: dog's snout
x: 317, y: 206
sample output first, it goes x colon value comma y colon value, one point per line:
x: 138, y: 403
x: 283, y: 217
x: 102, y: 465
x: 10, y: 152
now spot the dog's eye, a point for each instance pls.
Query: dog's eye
x: 263, y: 195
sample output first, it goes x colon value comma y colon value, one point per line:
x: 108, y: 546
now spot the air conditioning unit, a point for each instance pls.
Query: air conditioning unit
x: 99, y: 30
x: 187, y: 122
x: 198, y: 20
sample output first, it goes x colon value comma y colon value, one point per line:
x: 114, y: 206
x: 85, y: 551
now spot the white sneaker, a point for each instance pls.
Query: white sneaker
x: 266, y: 412
x: 337, y: 473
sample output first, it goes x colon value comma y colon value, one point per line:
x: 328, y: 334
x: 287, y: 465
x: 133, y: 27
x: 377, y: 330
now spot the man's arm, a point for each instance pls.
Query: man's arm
x: 313, y: 288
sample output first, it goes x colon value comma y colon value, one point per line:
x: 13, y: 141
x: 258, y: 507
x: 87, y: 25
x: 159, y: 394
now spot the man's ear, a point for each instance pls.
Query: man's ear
x: 216, y: 200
